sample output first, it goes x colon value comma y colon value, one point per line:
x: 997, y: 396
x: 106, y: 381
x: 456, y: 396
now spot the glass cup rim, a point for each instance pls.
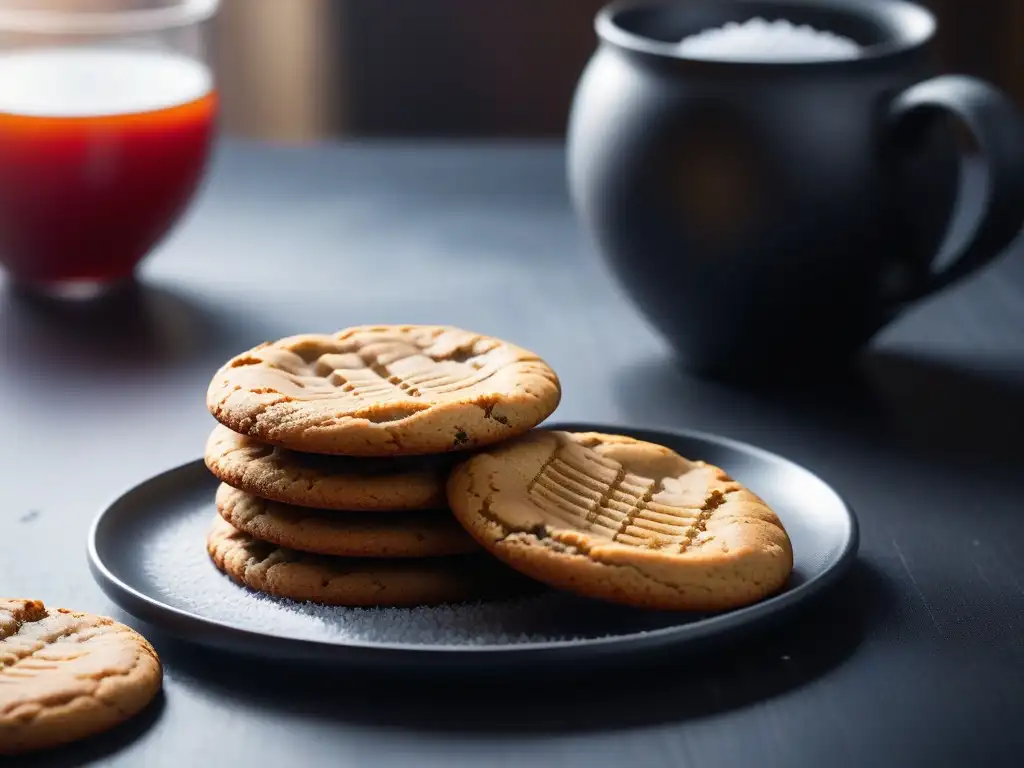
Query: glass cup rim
x: 39, y: 21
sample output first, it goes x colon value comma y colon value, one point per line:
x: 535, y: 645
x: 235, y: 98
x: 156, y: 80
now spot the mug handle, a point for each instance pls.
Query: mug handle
x: 998, y: 129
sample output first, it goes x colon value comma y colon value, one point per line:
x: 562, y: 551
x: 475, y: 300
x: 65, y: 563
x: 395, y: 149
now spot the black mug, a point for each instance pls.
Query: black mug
x: 762, y: 215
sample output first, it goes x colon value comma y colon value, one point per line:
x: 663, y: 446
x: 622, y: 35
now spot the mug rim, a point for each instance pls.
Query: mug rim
x: 917, y: 25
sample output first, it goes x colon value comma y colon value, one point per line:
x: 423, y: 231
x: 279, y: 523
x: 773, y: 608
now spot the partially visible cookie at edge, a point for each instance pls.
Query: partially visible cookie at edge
x: 285, y: 573
x: 384, y: 391
x: 622, y: 520
x: 323, y: 481
x: 65, y: 676
x: 433, y: 533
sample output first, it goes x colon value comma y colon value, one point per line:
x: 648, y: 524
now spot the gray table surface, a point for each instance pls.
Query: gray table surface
x: 916, y: 659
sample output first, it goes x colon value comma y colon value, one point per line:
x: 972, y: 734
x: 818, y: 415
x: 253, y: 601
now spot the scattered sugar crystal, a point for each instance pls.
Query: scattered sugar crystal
x: 181, y: 573
x: 758, y: 40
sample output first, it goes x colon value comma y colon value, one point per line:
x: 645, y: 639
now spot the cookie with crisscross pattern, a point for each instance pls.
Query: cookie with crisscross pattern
x: 67, y: 675
x: 424, y: 533
x: 316, y: 480
x: 350, y: 581
x: 384, y: 391
x: 623, y: 520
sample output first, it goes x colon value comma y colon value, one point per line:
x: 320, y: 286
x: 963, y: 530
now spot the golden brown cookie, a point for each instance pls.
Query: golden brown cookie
x: 384, y: 391
x: 67, y: 675
x: 345, y: 534
x: 622, y: 520
x: 327, y: 482
x: 357, y: 581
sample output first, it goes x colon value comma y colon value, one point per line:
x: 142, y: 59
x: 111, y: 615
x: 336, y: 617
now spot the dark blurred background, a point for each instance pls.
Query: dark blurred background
x: 297, y: 70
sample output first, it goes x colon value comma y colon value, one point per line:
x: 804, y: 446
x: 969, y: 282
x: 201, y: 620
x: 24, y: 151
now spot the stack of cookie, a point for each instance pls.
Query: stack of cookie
x: 333, y: 453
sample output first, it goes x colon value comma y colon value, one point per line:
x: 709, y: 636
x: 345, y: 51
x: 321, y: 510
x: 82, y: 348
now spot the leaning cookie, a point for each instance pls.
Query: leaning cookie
x: 622, y: 520
x: 363, y: 582
x: 65, y: 675
x: 326, y: 482
x: 384, y: 391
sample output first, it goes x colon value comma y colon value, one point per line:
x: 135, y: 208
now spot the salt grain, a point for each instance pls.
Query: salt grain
x: 181, y: 574
x: 758, y: 40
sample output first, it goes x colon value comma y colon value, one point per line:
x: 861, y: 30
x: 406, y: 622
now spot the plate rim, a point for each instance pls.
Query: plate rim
x: 196, y: 628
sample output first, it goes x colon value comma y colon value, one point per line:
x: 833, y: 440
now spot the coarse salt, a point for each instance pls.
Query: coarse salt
x: 181, y: 573
x: 758, y: 40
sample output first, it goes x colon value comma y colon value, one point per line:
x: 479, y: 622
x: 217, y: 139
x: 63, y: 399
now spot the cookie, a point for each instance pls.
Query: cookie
x: 345, y: 534
x: 67, y: 675
x: 300, y: 576
x: 326, y: 482
x: 384, y: 391
x: 622, y: 520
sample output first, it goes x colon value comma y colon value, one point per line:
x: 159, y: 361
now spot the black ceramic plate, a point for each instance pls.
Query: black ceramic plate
x: 147, y: 551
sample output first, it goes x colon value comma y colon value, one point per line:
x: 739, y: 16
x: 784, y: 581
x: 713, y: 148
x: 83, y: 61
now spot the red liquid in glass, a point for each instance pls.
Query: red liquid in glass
x: 84, y: 197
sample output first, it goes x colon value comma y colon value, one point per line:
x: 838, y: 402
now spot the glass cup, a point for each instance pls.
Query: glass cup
x: 107, y: 118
